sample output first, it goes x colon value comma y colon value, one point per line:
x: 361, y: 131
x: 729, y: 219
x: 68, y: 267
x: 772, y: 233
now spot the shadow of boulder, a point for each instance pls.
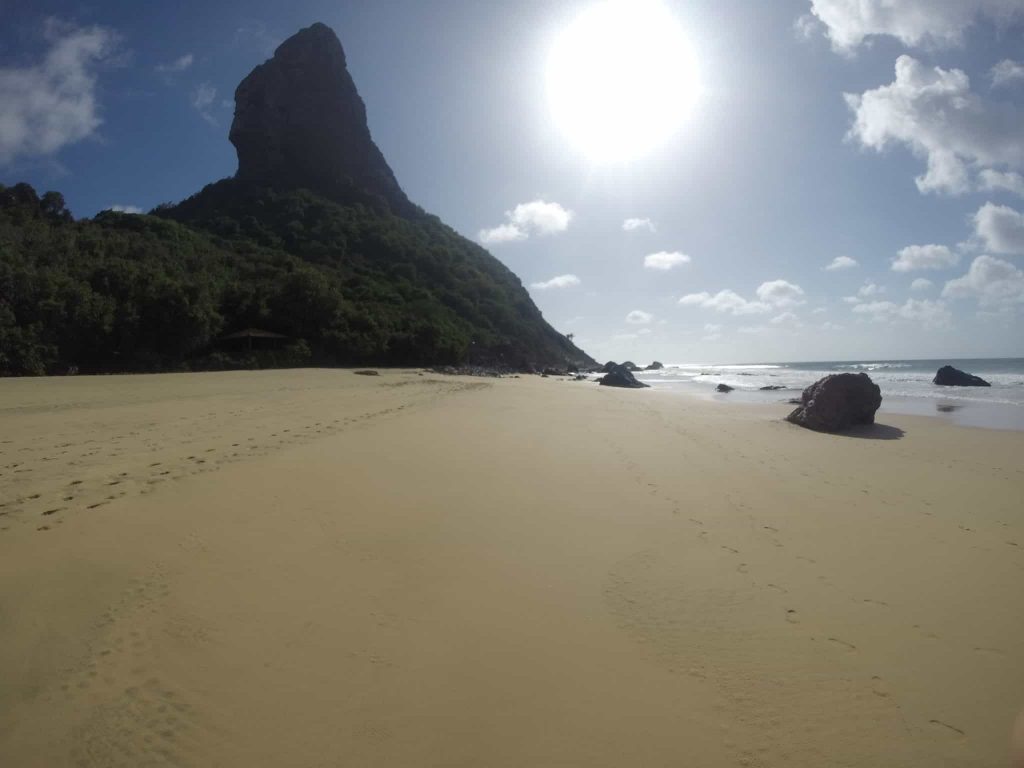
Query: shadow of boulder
x: 874, y: 432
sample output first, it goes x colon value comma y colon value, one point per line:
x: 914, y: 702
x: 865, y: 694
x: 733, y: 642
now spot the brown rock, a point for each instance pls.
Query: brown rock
x: 838, y: 402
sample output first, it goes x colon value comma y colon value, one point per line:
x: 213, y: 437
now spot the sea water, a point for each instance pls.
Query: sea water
x: 906, y: 385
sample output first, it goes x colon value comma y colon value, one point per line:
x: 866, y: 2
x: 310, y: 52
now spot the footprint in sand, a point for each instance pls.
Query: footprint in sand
x: 989, y: 651
x: 848, y: 646
x: 791, y: 616
x: 947, y: 727
x: 879, y: 687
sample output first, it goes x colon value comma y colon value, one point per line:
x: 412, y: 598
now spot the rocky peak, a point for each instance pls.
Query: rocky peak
x: 300, y: 123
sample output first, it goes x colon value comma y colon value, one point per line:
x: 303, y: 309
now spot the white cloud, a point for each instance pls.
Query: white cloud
x: 931, y: 314
x: 867, y: 291
x: 879, y: 309
x: 560, y: 281
x: 933, y: 112
x: 178, y: 65
x: 991, y: 281
x: 503, y: 233
x: 45, y: 107
x: 754, y: 330
x: 643, y: 332
x: 536, y: 217
x: 1000, y: 228
x: 785, y: 318
x: 830, y: 326
x: 1007, y: 72
x: 806, y: 26
x: 915, y: 257
x: 631, y: 225
x: 780, y: 293
x: 921, y: 284
x: 774, y: 294
x: 125, y: 209
x: 841, y: 262
x: 870, y: 289
x: 725, y: 301
x: 913, y: 22
x: 712, y: 328
x: 639, y: 317
x: 202, y: 97
x: 665, y: 260
x: 540, y: 217
x: 994, y: 181
x: 819, y: 311
x: 624, y: 337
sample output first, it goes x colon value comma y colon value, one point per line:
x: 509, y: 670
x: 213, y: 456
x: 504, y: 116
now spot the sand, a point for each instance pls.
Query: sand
x: 311, y: 568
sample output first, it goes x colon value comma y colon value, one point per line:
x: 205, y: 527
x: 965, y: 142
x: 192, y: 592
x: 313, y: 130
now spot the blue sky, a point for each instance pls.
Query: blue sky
x: 887, y: 134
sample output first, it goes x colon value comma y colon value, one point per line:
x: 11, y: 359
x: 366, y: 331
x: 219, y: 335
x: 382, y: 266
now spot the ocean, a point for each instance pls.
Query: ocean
x: 906, y: 385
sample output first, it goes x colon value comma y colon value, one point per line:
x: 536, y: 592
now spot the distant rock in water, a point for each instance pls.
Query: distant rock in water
x: 621, y: 376
x: 772, y: 387
x: 724, y: 388
x: 632, y: 366
x: 838, y: 402
x: 300, y: 123
x: 655, y: 366
x: 948, y: 376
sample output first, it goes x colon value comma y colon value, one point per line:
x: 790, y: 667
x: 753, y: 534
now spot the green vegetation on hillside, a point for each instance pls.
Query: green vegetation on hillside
x: 346, y: 284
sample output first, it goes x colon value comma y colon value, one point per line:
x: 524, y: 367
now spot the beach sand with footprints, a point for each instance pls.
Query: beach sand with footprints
x: 312, y: 568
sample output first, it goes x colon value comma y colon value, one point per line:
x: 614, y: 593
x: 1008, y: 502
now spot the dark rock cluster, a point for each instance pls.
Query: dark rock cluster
x: 620, y: 376
x: 838, y: 402
x: 948, y: 376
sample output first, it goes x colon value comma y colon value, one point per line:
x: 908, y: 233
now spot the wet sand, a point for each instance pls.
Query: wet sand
x: 311, y: 568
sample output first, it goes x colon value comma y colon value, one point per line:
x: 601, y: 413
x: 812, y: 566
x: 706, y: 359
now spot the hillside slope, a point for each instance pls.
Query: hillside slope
x: 313, y: 241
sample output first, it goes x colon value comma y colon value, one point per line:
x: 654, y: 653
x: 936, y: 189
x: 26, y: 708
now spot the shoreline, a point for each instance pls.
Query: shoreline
x: 958, y: 413
x: 311, y: 567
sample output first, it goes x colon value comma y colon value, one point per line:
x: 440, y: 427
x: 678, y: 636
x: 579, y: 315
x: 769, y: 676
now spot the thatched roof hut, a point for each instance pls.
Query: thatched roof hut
x: 269, y: 338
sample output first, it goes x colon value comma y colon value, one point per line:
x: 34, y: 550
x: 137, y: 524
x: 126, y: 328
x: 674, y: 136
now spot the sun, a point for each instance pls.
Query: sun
x: 621, y: 79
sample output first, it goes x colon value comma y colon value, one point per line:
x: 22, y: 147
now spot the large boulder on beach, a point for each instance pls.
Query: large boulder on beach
x: 610, y: 366
x: 838, y: 402
x: 621, y: 376
x: 948, y: 376
x: 655, y: 366
x: 632, y: 366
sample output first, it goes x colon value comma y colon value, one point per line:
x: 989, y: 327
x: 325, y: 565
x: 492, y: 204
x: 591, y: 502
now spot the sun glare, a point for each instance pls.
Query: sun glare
x: 621, y: 79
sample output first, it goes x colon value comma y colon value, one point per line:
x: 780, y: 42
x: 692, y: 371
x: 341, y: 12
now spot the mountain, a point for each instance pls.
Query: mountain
x: 312, y: 243
x: 300, y: 123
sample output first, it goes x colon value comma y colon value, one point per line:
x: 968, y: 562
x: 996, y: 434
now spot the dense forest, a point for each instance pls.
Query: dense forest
x: 340, y: 283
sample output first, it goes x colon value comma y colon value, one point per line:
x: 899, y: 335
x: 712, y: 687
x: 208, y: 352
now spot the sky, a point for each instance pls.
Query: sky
x: 680, y: 180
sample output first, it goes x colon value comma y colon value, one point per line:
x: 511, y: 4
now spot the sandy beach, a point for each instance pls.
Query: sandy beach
x: 312, y: 568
